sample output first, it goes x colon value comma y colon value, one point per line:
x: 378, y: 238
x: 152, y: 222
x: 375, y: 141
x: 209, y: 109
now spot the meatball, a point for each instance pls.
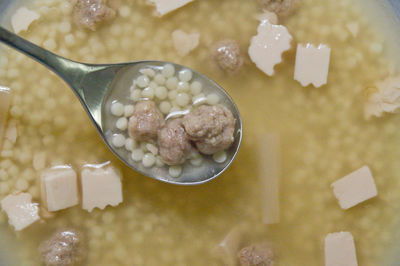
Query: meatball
x: 173, y: 143
x: 227, y: 55
x: 89, y: 13
x: 210, y: 127
x: 145, y: 121
x: 282, y: 8
x: 260, y: 254
x: 65, y: 247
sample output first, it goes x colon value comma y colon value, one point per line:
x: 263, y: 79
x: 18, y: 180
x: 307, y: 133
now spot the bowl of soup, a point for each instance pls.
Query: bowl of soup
x: 315, y: 181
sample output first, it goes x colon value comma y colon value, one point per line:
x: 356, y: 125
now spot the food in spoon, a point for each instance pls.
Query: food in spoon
x: 340, y: 249
x: 90, y: 13
x: 355, y: 188
x: 20, y: 210
x: 145, y: 121
x: 227, y: 55
x: 312, y: 64
x: 210, y: 128
x: 64, y: 247
x: 174, y: 142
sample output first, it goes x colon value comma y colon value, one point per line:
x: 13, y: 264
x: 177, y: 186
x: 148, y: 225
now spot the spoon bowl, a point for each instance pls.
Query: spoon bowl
x: 97, y: 86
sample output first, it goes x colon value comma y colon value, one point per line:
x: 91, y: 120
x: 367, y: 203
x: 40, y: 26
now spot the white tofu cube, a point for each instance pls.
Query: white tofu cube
x: 355, y: 188
x: 23, y: 18
x: 267, y: 46
x: 101, y: 186
x: 20, y: 210
x: 312, y: 64
x: 163, y: 7
x: 340, y: 250
x: 59, y: 188
x: 184, y: 42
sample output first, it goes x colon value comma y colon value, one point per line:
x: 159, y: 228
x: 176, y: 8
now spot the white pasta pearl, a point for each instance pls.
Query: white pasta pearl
x: 137, y: 155
x: 64, y: 27
x: 159, y: 79
x: 148, y: 160
x: 152, y: 148
x: 148, y: 93
x: 172, y: 83
x: 185, y: 75
x: 130, y: 144
x: 172, y: 95
x: 220, y: 157
x: 117, y: 109
x: 168, y: 70
x: 159, y: 163
x: 161, y: 92
x: 196, y: 87
x: 153, y: 85
x: 21, y: 184
x: 196, y: 161
x: 165, y: 107
x: 50, y: 44
x: 212, y: 99
x: 122, y: 123
x: 183, y: 86
x: 128, y: 110
x: 175, y: 170
x: 199, y: 99
x: 182, y: 99
x: 118, y: 140
x: 136, y: 95
x: 148, y: 72
x: 142, y: 81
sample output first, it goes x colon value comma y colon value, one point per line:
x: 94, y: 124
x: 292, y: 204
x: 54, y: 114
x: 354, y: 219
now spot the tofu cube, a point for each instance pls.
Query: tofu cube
x: 20, y: 210
x: 163, y: 7
x: 340, y: 250
x: 312, y: 64
x: 101, y: 186
x: 355, y: 188
x: 59, y: 188
x: 23, y: 18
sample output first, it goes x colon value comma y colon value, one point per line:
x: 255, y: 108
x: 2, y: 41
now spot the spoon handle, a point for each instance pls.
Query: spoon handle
x: 70, y: 71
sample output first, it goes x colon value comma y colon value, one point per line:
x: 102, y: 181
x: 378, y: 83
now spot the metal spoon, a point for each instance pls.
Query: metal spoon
x: 98, y: 85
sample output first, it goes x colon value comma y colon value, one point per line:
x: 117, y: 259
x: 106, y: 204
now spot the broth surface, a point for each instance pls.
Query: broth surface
x: 323, y: 137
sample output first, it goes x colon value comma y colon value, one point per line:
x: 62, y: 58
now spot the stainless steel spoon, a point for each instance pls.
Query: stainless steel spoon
x: 97, y: 86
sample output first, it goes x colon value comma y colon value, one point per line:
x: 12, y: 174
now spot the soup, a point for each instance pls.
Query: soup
x: 322, y: 133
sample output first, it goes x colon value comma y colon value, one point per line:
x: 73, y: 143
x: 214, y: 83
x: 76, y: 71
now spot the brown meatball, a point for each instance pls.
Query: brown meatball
x: 260, y: 254
x: 282, y: 8
x: 145, y: 121
x: 65, y: 247
x: 89, y: 13
x: 173, y: 143
x: 210, y: 127
x: 227, y: 55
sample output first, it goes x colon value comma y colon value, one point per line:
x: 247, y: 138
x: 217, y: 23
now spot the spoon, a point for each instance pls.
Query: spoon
x: 97, y: 86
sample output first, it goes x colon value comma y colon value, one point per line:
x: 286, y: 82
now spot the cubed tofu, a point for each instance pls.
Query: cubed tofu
x: 355, y: 188
x: 164, y: 7
x: 59, y: 188
x: 23, y: 18
x: 184, y: 42
x: 101, y: 186
x: 312, y: 64
x: 20, y: 210
x: 267, y: 46
x: 226, y: 250
x: 340, y: 250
